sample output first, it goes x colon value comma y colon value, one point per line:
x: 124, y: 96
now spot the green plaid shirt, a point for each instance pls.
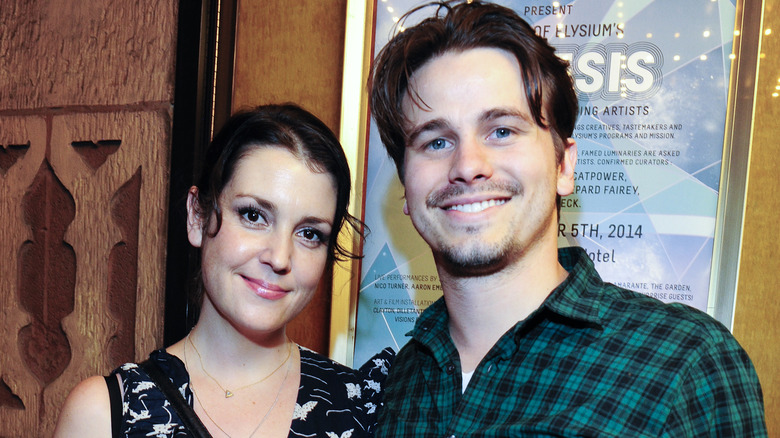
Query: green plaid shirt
x: 593, y: 360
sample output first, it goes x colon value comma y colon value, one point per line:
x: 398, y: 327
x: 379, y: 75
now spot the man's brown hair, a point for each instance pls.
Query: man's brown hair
x: 458, y: 26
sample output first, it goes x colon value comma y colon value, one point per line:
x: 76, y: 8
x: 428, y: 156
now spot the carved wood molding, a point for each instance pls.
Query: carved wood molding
x: 84, y: 207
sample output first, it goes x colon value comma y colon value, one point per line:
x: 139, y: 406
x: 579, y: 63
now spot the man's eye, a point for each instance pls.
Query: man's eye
x: 437, y: 144
x: 502, y: 133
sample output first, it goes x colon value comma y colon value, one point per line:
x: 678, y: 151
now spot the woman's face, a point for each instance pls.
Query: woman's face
x: 264, y: 264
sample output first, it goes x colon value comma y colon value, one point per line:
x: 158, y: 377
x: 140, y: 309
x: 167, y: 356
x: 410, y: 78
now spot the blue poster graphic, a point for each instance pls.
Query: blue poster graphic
x: 652, y: 80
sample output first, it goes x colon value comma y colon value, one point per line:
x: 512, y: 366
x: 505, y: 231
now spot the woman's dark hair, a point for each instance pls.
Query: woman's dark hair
x: 459, y: 26
x: 285, y: 126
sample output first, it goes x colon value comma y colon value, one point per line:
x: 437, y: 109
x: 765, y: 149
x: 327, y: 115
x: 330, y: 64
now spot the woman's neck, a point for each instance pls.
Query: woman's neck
x: 231, y: 355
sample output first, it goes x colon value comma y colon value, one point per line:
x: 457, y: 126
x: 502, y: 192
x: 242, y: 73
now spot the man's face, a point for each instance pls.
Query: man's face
x: 480, y: 175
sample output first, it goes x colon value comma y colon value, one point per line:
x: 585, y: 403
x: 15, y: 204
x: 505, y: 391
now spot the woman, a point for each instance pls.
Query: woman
x: 266, y: 215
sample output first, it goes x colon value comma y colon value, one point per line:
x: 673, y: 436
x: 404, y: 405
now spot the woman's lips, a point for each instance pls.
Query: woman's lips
x: 266, y: 290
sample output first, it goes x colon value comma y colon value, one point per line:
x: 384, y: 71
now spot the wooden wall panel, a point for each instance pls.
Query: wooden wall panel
x: 757, y: 300
x: 82, y: 273
x: 293, y: 51
x: 71, y: 52
x: 86, y: 91
x: 19, y: 388
x: 98, y: 326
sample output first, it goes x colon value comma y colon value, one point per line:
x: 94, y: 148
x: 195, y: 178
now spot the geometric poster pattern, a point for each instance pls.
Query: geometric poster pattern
x: 652, y: 82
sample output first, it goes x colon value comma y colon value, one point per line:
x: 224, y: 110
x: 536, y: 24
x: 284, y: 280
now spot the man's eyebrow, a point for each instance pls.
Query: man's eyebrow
x: 496, y: 113
x: 491, y: 114
x: 430, y: 125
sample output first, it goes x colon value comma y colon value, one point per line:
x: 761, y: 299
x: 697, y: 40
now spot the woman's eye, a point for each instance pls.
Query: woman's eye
x: 313, y: 236
x: 250, y: 214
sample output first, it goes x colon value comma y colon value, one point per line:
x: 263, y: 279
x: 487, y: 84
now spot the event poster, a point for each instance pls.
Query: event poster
x: 652, y: 82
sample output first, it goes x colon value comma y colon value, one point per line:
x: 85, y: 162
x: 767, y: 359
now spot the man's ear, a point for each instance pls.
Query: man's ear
x: 566, y: 168
x: 194, y: 219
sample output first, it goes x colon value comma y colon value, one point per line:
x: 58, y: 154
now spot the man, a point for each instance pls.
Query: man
x: 477, y: 112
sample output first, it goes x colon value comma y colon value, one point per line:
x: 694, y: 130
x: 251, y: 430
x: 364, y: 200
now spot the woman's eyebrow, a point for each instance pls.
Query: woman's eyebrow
x: 262, y: 203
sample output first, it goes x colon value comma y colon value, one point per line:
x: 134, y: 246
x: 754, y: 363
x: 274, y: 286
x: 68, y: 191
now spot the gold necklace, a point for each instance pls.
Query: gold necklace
x: 229, y: 393
x: 262, y: 420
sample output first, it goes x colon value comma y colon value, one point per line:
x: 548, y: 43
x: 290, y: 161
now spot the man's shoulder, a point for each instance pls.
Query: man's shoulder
x: 406, y: 353
x: 668, y: 323
x: 617, y: 307
x: 407, y: 361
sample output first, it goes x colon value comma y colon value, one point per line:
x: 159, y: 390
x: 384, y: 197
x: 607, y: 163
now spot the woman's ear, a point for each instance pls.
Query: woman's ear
x: 194, y: 219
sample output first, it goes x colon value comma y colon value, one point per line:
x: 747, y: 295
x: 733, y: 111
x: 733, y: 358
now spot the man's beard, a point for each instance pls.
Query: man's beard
x: 479, y: 260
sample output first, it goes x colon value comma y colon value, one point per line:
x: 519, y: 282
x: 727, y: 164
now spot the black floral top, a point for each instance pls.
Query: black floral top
x: 334, y: 401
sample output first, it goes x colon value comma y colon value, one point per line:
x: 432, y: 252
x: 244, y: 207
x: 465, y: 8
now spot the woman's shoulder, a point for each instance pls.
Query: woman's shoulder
x: 375, y: 368
x: 146, y: 409
x: 336, y: 398
x: 86, y: 412
x: 169, y: 364
x: 355, y: 386
x: 378, y: 366
x: 321, y: 365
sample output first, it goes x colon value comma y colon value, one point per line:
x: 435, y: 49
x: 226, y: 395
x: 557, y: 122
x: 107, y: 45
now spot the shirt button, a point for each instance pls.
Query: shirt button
x: 450, y: 370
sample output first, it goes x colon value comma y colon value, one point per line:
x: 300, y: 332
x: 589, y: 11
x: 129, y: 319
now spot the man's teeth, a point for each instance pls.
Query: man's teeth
x: 476, y: 207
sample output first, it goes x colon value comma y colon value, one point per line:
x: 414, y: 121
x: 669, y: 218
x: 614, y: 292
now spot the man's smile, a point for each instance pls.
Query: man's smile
x: 475, y: 207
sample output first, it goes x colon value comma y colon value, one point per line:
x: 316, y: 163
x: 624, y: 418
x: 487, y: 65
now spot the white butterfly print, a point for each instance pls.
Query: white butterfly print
x: 381, y: 364
x: 301, y: 412
x: 372, y: 384
x: 353, y: 390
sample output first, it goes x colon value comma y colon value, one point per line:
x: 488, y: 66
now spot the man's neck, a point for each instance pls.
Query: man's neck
x: 481, y: 309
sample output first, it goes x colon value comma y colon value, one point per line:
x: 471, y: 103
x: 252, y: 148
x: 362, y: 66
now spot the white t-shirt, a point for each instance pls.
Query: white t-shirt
x: 466, y: 379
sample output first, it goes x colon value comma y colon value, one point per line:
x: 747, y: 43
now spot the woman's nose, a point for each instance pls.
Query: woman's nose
x: 277, y: 252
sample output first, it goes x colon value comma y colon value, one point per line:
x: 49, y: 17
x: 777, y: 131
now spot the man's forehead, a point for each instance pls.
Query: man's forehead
x: 495, y: 74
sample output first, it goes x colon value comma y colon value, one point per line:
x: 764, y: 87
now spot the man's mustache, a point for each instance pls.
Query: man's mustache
x: 503, y: 188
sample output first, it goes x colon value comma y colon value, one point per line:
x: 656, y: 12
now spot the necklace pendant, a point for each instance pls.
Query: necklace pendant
x: 228, y: 394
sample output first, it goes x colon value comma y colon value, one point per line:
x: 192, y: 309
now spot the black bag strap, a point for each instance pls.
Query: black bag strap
x: 115, y: 396
x: 187, y: 416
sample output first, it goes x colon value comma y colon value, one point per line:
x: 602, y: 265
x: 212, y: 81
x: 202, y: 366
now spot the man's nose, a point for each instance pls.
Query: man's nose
x: 471, y: 161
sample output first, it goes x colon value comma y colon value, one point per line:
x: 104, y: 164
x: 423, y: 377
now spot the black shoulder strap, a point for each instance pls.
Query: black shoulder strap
x: 188, y: 417
x: 115, y: 396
